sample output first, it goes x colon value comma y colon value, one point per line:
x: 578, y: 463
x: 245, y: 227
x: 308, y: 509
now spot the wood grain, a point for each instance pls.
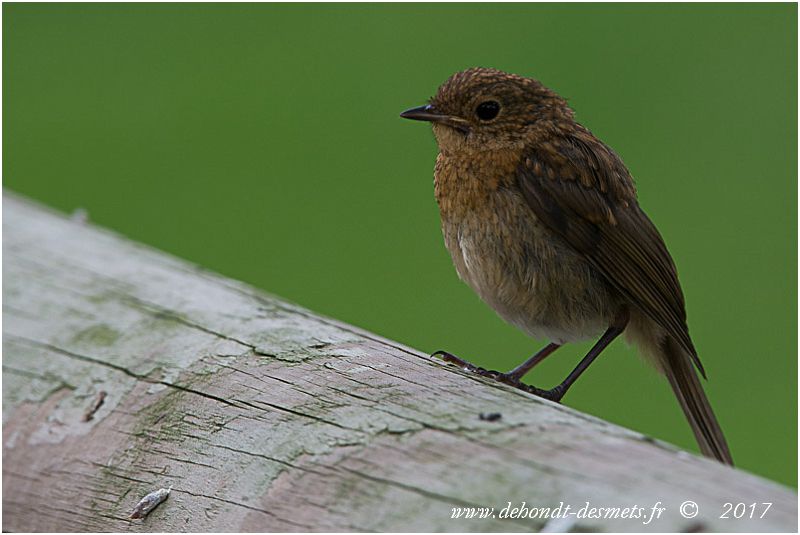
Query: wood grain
x: 263, y: 416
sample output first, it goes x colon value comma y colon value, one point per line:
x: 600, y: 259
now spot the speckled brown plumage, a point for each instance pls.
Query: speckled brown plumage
x: 542, y: 220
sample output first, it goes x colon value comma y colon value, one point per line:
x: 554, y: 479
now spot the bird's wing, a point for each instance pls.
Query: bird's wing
x: 580, y: 189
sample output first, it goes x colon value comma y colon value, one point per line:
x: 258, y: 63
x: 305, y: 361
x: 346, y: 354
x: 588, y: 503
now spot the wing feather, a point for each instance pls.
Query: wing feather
x: 581, y: 189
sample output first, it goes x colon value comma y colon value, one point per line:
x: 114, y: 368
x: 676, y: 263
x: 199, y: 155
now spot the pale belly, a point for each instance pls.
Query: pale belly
x: 529, y: 276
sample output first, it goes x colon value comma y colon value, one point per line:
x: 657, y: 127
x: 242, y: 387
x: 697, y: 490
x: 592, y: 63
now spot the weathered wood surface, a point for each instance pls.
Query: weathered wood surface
x: 263, y: 416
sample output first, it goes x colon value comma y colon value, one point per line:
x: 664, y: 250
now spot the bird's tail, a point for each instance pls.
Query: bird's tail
x: 684, y: 381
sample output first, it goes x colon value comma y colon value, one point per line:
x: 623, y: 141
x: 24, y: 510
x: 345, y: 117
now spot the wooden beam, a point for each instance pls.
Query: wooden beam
x: 126, y: 370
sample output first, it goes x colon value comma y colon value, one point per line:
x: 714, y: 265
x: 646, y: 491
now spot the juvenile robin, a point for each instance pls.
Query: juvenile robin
x: 541, y: 219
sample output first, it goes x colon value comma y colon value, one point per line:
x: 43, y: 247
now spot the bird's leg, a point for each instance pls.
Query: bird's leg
x: 519, y: 372
x: 555, y: 394
x: 513, y: 377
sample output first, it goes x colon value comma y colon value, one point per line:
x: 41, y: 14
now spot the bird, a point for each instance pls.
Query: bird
x: 541, y: 219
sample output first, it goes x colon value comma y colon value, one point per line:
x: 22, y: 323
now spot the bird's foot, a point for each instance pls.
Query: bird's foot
x: 465, y: 365
x: 510, y: 379
x: 554, y: 394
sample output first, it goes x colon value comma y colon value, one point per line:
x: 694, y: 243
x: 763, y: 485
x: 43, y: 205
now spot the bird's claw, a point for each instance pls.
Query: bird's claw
x: 465, y: 365
x: 554, y: 394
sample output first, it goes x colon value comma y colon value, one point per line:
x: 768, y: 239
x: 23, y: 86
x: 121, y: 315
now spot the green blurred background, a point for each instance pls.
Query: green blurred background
x: 263, y: 142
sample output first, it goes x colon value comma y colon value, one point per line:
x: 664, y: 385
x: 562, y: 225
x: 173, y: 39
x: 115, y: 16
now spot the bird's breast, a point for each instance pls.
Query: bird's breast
x: 512, y: 261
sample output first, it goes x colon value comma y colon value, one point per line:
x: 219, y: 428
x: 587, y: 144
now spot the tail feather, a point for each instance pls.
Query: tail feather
x: 686, y: 385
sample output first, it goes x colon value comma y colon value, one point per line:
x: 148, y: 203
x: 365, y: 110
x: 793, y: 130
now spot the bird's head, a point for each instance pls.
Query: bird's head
x: 486, y: 109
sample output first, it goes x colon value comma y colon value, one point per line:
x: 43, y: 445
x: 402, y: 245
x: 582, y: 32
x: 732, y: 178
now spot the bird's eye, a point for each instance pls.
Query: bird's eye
x: 486, y: 111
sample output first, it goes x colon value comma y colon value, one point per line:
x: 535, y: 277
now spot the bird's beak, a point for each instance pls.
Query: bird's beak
x: 431, y: 114
x: 424, y: 113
